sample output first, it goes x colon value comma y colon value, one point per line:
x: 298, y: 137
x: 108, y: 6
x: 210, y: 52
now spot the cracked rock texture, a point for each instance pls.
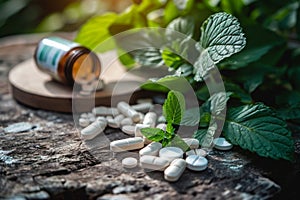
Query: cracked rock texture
x: 50, y: 161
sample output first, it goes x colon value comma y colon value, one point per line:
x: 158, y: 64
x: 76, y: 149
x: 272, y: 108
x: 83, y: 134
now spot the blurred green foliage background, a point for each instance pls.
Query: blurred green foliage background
x: 30, y: 16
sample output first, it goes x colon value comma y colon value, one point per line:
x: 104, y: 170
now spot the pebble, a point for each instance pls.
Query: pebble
x: 129, y: 162
x: 151, y: 149
x: 128, y: 129
x: 93, y: 129
x: 222, y: 144
x: 127, y: 144
x: 154, y: 163
x: 191, y: 142
x: 170, y: 153
x: 199, y: 152
x: 196, y: 163
x: 126, y: 110
x: 175, y: 170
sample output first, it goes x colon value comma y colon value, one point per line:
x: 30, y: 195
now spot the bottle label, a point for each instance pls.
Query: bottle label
x: 50, y: 51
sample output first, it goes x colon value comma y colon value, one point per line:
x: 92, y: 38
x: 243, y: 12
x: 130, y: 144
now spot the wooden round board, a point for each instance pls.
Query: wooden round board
x: 34, y: 88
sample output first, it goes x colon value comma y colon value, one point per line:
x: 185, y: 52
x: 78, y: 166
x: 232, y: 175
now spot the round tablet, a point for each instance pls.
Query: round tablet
x: 222, y: 144
x: 196, y: 163
x: 171, y: 153
x: 129, y: 162
x: 128, y: 129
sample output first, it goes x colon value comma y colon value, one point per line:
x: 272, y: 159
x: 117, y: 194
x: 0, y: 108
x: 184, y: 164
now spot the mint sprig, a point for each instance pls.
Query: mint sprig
x: 173, y: 111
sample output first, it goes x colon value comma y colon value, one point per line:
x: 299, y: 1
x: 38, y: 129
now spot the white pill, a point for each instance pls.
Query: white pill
x: 84, y: 115
x: 196, y: 163
x: 101, y: 118
x: 93, y: 129
x: 199, y: 152
x: 144, y: 101
x: 143, y: 107
x: 101, y: 110
x: 84, y: 122
x: 161, y: 119
x: 104, y: 111
x: 116, y: 122
x: 128, y: 129
x: 162, y: 126
x: 171, y: 153
x: 151, y: 149
x: 175, y: 170
x: 112, y: 123
x: 129, y: 162
x: 142, y: 116
x: 222, y: 144
x: 92, y: 119
x: 126, y: 110
x: 191, y: 142
x: 137, y: 130
x: 154, y: 163
x: 150, y: 119
x: 126, y: 121
x: 127, y: 144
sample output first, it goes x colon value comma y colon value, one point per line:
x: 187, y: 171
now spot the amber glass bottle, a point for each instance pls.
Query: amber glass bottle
x: 67, y: 61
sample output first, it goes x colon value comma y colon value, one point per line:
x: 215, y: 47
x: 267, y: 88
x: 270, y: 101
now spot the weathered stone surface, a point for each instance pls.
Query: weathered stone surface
x: 51, y: 162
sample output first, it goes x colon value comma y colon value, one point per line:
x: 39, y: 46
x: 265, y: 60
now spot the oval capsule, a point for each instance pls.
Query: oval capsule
x: 175, y: 170
x: 127, y: 144
x: 128, y: 111
x: 154, y: 163
x: 150, y: 119
x: 151, y: 149
x: 93, y: 129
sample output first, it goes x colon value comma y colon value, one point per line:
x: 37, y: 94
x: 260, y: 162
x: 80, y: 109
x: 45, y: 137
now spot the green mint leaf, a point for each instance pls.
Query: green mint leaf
x: 255, y: 128
x: 178, y: 142
x: 257, y: 48
x: 203, y: 65
x: 238, y: 92
x: 169, y: 130
x: 184, y: 25
x: 221, y: 36
x: 191, y: 117
x: 95, y: 31
x: 153, y: 134
x: 149, y: 57
x: 218, y: 102
x: 289, y: 113
x: 166, y: 84
x: 171, y: 59
x: 200, y: 135
x: 174, y: 107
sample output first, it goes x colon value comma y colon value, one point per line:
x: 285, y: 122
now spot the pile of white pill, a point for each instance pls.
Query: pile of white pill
x: 152, y: 156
